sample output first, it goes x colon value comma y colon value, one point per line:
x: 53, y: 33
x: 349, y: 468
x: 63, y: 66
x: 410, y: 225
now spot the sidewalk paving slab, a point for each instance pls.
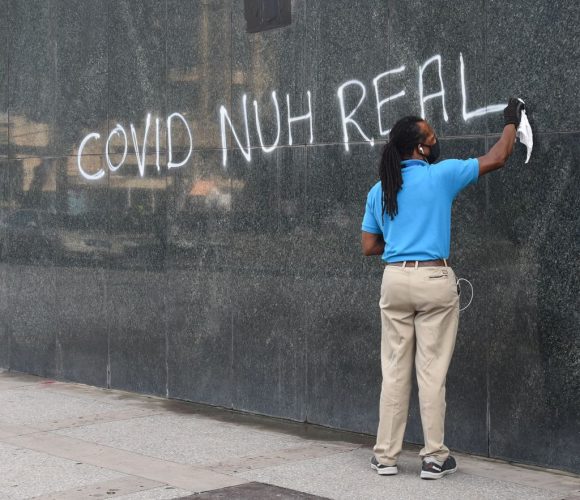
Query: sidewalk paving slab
x: 253, y: 491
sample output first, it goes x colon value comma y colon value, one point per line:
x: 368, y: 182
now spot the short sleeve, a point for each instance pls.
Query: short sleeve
x: 466, y: 173
x: 457, y: 174
x: 369, y: 223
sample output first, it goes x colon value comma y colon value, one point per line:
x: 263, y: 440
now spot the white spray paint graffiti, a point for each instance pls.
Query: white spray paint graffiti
x: 157, y: 123
x: 441, y: 93
x: 143, y: 154
x: 349, y: 119
x: 118, y: 130
x: 307, y: 116
x: 170, y: 162
x: 268, y: 149
x: 101, y: 172
x: 495, y: 108
x: 351, y: 88
x: 381, y: 103
x: 225, y: 116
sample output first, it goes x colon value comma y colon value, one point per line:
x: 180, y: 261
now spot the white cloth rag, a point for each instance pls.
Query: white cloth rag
x: 524, y: 134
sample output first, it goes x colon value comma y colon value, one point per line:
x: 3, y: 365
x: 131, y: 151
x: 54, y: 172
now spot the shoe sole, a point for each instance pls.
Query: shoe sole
x: 436, y: 475
x: 391, y: 471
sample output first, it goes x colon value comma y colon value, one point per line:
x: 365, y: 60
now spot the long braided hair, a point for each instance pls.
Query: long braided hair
x: 403, y: 138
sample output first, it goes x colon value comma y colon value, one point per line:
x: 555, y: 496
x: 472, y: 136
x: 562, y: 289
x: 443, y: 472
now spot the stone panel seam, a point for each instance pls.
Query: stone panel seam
x: 111, y: 487
x: 185, y: 476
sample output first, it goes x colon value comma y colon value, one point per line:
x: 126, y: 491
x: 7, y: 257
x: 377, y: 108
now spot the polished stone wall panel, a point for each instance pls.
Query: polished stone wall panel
x: 453, y: 29
x: 266, y: 293
x: 198, y: 276
x: 137, y: 200
x: 84, y: 248
x: 345, y: 40
x: 31, y: 298
x: 199, y: 335
x: 81, y: 75
x: 341, y: 290
x: 82, y: 325
x: 343, y: 342
x: 32, y: 89
x: 268, y: 326
x: 30, y: 226
x: 268, y: 210
x: 5, y: 191
x: 30, y: 250
x: 531, y: 46
x: 337, y: 184
x: 199, y: 206
x: 255, y: 217
x: 4, y: 273
x: 267, y: 61
x: 534, y: 351
x: 136, y: 280
x: 137, y: 37
x: 4, y: 37
x: 5, y: 322
x: 136, y: 305
x: 199, y: 68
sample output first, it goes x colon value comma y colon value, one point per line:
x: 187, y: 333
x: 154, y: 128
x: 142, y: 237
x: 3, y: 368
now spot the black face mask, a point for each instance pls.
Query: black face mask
x: 433, y: 152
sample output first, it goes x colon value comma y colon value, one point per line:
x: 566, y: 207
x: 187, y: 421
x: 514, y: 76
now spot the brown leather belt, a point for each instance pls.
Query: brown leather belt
x: 419, y: 263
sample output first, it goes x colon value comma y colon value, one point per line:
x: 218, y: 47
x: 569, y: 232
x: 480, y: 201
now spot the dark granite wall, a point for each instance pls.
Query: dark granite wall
x: 243, y: 285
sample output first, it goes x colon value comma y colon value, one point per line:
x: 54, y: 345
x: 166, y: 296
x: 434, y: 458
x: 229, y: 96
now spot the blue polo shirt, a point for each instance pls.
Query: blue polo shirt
x: 422, y: 228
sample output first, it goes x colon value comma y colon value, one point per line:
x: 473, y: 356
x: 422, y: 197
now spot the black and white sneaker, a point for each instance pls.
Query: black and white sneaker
x: 432, y: 469
x: 383, y: 470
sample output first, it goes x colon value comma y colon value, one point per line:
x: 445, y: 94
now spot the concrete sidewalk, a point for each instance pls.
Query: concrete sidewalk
x: 67, y: 441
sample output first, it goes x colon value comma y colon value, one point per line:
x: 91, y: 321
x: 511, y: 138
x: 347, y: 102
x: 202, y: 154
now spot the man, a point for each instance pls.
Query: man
x: 408, y: 221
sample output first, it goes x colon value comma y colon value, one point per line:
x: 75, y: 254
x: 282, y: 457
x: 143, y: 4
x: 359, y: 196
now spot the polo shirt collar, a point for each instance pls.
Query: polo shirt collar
x: 413, y: 163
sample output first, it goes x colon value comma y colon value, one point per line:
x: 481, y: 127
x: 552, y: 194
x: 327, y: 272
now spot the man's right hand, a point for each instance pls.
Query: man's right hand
x: 512, y: 114
x: 497, y: 156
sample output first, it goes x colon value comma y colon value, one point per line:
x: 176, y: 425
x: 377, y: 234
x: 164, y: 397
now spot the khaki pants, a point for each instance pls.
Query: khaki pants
x: 419, y: 317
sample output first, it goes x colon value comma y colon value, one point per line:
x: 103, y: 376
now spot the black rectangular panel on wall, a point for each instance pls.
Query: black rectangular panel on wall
x: 264, y: 15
